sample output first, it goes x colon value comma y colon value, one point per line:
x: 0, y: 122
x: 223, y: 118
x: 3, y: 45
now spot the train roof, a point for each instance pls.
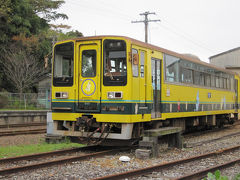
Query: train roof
x: 156, y: 48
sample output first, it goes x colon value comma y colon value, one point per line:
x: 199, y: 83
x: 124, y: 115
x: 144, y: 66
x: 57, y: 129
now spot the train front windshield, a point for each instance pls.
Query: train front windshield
x: 63, y: 65
x: 115, y: 66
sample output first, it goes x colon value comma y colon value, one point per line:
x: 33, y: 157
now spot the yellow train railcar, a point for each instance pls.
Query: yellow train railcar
x: 113, y: 87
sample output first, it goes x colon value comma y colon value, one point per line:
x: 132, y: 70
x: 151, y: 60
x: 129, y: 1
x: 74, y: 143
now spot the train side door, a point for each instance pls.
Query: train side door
x: 236, y: 95
x: 143, y: 78
x: 156, y: 84
x: 89, y: 77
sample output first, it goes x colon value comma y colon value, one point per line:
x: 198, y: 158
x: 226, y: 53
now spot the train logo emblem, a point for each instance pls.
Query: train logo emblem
x: 88, y: 87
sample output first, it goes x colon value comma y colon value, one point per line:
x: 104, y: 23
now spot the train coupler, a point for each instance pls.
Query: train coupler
x: 85, y: 121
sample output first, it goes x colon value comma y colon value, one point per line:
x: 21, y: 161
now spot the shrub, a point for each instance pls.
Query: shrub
x: 216, y: 176
x: 3, y: 101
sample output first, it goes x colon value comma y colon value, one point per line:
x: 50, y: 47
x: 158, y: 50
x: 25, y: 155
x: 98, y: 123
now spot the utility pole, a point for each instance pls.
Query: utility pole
x: 146, y: 21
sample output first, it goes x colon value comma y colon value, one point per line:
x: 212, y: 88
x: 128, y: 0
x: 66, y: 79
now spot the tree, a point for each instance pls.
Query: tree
x: 21, y: 69
x: 26, y: 39
x: 57, y: 34
x: 47, y: 9
x: 28, y: 17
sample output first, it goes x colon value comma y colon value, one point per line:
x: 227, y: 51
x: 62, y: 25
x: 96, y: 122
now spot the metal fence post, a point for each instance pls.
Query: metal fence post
x: 25, y: 103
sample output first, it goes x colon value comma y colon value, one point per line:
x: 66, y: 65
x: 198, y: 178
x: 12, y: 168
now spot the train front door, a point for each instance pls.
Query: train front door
x: 156, y: 84
x: 89, y: 99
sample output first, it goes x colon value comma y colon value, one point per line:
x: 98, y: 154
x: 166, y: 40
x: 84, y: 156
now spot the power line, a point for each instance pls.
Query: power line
x: 146, y: 21
x: 166, y: 24
x: 187, y: 38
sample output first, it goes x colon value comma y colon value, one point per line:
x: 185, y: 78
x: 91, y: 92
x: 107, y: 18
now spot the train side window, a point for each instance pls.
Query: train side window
x: 184, y: 71
x: 213, y: 81
x: 217, y: 82
x: 228, y: 84
x: 207, y: 80
x: 202, y: 79
x: 202, y: 83
x: 232, y: 84
x: 142, y: 63
x: 186, y: 75
x: 221, y: 82
x: 134, y: 66
x: 196, y: 79
x: 171, y: 68
x: 224, y: 83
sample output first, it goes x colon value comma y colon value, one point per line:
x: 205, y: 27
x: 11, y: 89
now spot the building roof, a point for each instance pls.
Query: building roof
x: 231, y: 50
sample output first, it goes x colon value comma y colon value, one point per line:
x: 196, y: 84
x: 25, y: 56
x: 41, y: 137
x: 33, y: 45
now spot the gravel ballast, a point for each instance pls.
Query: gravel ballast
x: 97, y: 167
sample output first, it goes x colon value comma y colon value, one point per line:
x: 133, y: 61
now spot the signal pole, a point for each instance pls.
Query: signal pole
x: 146, y: 21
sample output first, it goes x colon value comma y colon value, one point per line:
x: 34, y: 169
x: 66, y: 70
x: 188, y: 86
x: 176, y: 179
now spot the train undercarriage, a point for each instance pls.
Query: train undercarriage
x: 87, y: 130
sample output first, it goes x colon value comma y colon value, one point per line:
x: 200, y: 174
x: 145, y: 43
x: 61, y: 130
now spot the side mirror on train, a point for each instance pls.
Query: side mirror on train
x: 135, y: 59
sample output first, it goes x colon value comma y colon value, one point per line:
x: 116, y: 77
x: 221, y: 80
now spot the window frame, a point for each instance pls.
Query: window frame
x: 64, y: 81
x: 208, y: 76
x: 135, y: 67
x: 117, y: 80
x: 95, y: 72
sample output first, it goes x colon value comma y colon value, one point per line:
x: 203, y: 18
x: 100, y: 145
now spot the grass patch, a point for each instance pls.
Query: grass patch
x: 11, y: 151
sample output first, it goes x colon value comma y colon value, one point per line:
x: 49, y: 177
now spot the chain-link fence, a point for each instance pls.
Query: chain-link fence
x: 28, y: 101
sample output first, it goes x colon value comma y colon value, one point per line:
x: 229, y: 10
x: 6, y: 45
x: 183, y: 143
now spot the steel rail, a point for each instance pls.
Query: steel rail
x: 190, y: 145
x: 22, y: 125
x: 148, y: 170
x: 22, y: 132
x: 47, y: 154
x: 203, y: 173
x: 57, y: 162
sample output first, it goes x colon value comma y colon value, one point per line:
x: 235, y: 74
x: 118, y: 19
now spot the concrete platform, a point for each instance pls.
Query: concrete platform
x: 150, y: 141
x: 21, y: 117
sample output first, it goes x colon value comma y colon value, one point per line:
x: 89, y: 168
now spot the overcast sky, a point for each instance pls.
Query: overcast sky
x: 200, y: 27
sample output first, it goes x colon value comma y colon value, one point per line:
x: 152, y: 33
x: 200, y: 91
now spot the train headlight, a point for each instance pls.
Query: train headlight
x: 61, y: 95
x: 110, y: 95
x: 114, y: 95
x: 64, y: 95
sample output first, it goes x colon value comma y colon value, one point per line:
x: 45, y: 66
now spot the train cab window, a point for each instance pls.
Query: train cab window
x: 89, y: 63
x: 115, y: 63
x: 63, y: 65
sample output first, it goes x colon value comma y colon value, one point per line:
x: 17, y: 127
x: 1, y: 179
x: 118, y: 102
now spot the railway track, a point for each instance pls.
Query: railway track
x: 22, y: 132
x: 169, y: 165
x: 209, y: 133
x: 22, y: 125
x: 190, y: 145
x: 203, y: 173
x: 56, y: 161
